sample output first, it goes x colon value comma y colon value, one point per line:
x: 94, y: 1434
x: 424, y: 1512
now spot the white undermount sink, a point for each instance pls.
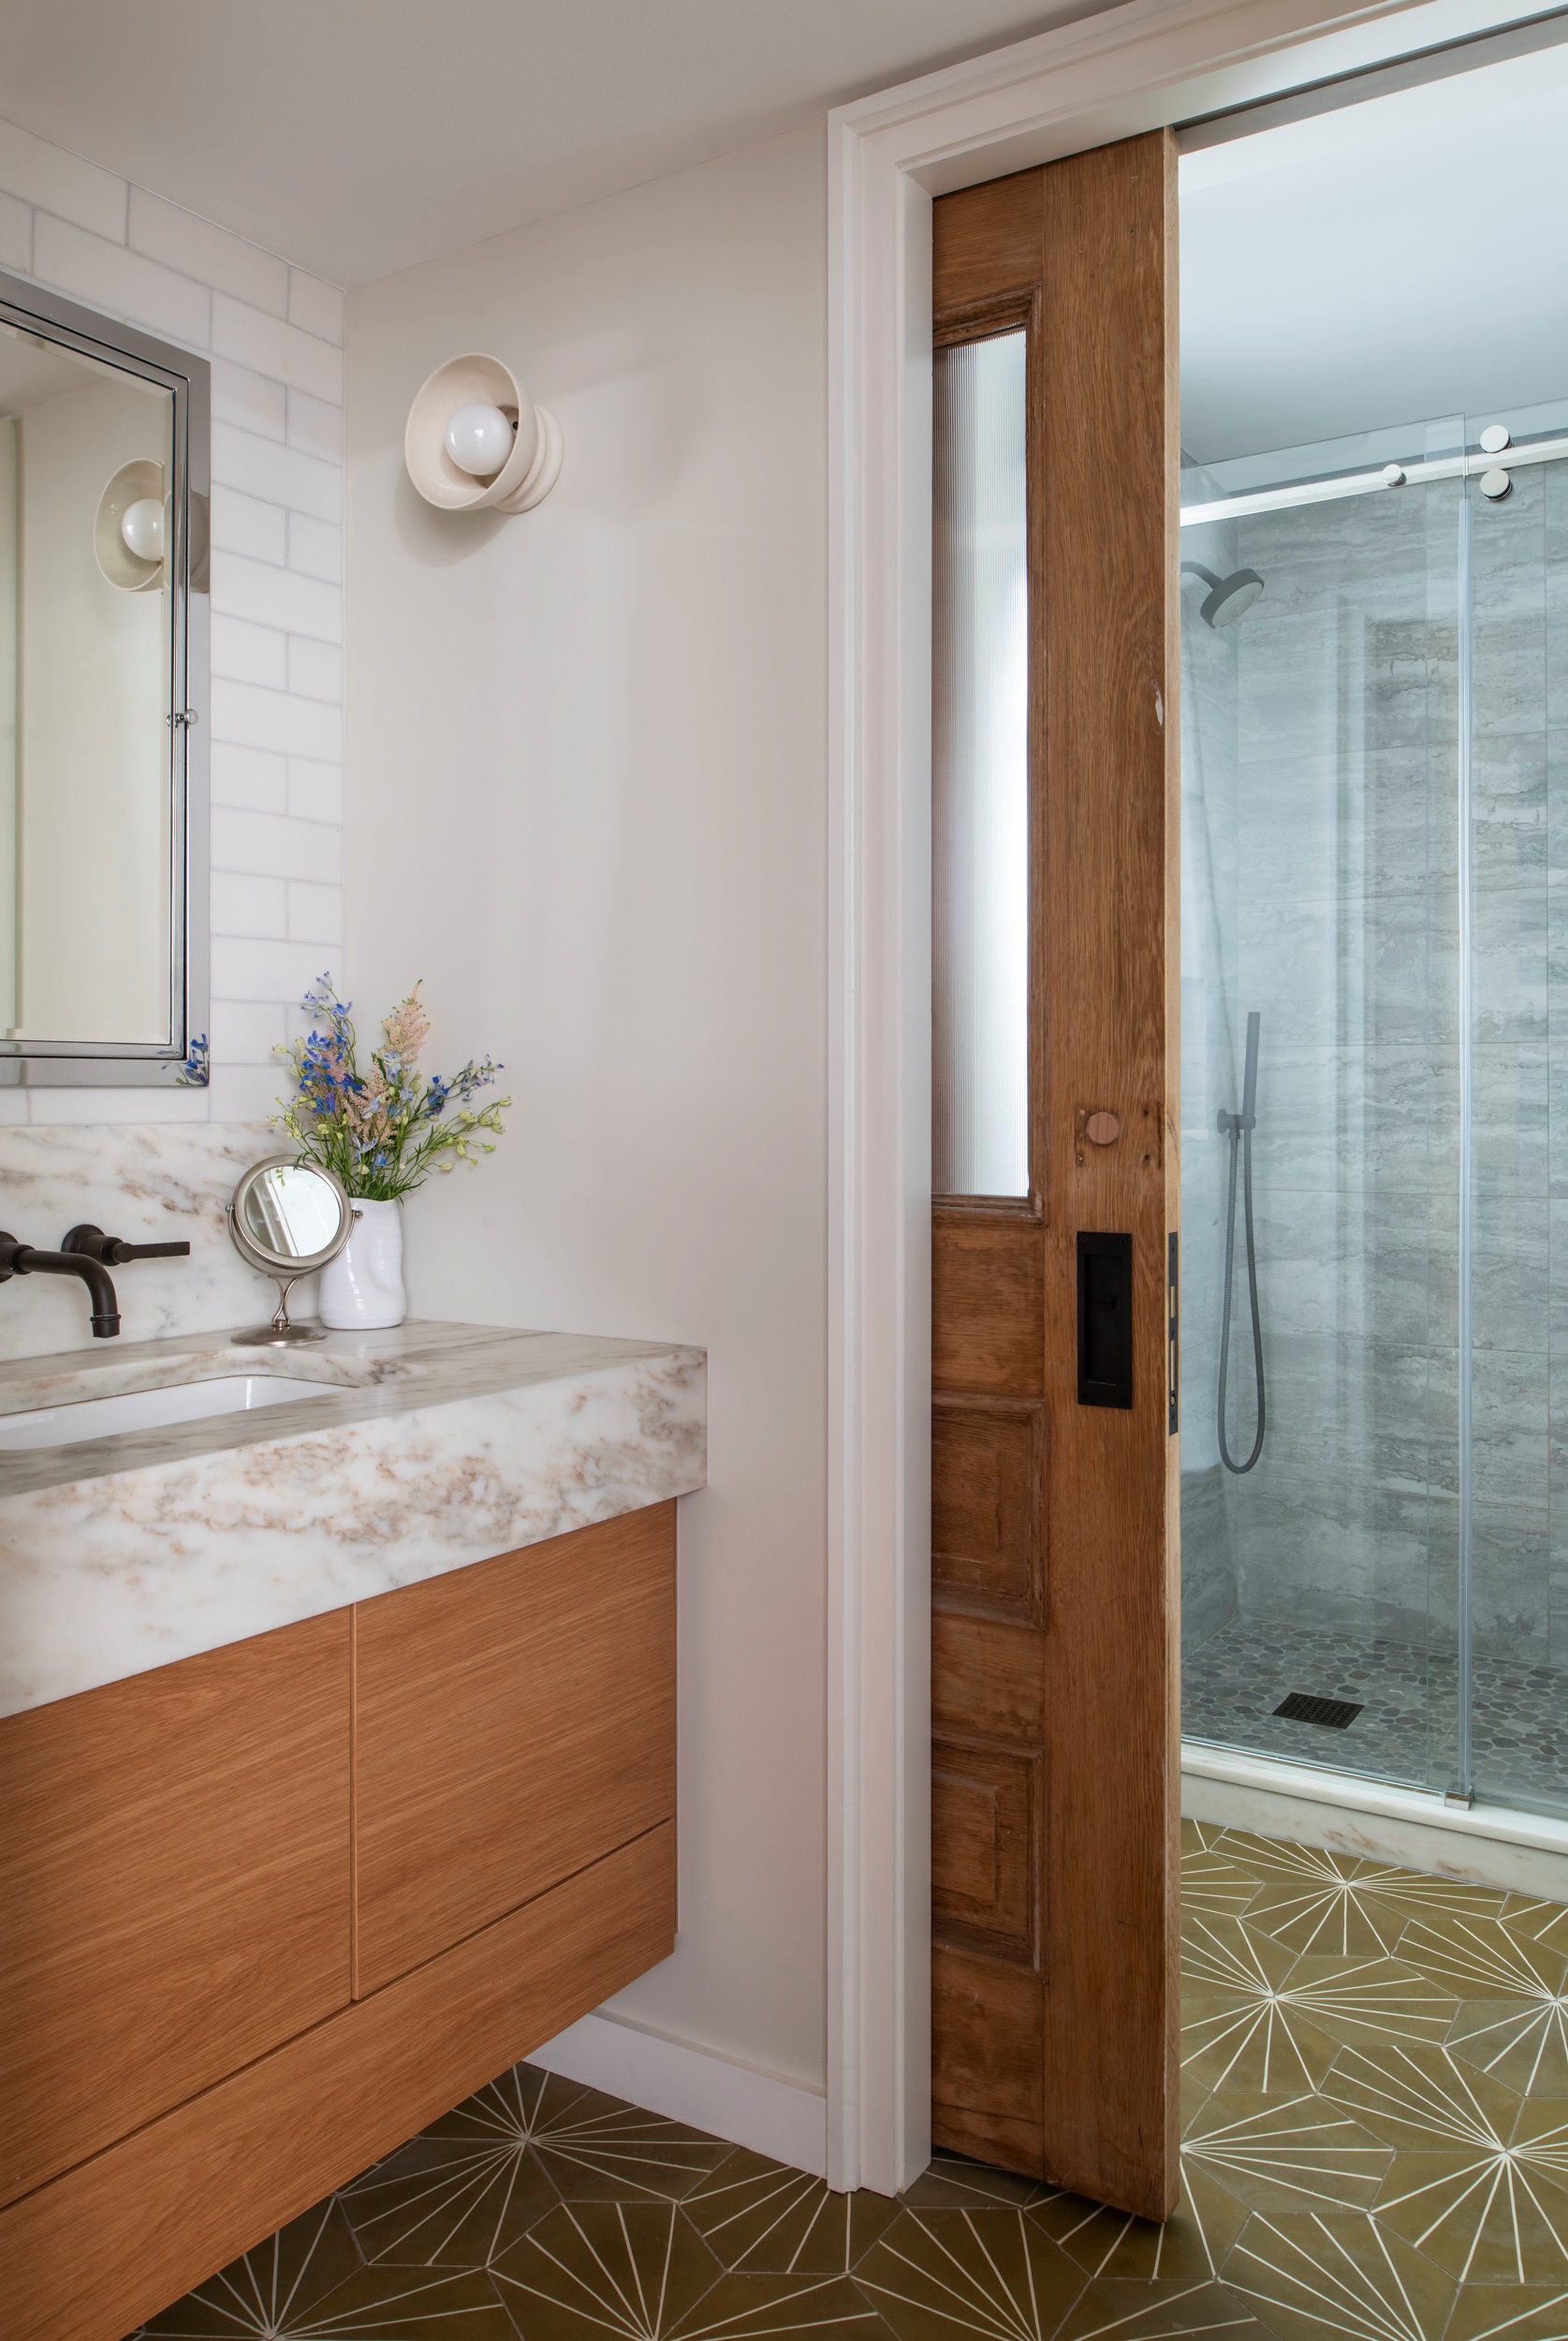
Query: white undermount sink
x: 153, y: 1409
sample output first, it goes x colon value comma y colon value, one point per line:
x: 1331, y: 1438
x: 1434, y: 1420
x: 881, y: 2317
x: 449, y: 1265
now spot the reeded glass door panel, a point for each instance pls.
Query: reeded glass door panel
x: 980, y: 772
x: 1320, y: 803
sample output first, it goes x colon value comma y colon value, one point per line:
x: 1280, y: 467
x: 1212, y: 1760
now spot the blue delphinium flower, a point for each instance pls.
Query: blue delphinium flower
x: 378, y: 1130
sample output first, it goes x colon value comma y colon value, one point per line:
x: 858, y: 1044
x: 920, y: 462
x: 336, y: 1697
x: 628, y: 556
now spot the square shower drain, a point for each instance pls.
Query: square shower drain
x: 1306, y: 1707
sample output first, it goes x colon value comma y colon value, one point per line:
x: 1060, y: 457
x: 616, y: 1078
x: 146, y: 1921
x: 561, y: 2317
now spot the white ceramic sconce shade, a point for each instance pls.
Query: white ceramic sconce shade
x: 528, y: 472
x: 133, y: 487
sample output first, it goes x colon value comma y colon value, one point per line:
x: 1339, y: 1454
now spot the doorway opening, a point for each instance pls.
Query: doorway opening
x: 1374, y: 883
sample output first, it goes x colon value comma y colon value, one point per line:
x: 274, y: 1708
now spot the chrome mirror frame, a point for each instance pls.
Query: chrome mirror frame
x: 182, y: 1062
x: 283, y: 1268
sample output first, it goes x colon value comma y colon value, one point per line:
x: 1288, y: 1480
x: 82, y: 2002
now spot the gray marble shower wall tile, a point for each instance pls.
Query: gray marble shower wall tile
x: 1358, y: 970
x: 1509, y: 797
x: 1380, y: 1115
x: 1363, y: 824
x: 1510, y: 1287
x: 1349, y: 1262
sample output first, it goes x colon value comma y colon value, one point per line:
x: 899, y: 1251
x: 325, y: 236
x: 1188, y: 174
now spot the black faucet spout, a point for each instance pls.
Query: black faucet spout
x: 26, y: 1259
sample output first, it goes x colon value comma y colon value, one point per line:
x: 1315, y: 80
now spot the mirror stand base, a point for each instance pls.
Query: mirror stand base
x: 272, y: 1337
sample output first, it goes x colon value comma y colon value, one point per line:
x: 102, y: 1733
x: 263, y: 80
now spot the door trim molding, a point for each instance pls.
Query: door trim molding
x: 1110, y: 76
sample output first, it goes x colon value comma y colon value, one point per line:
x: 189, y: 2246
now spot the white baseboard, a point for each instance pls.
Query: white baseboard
x: 1487, y: 1844
x: 694, y: 2085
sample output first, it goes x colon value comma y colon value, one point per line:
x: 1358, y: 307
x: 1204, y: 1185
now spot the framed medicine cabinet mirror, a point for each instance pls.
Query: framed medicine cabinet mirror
x: 104, y: 635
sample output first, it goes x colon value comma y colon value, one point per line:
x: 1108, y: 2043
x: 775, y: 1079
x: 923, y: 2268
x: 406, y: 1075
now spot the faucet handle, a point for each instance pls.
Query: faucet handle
x: 114, y: 1251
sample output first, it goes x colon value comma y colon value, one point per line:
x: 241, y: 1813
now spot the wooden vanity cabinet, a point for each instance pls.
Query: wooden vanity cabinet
x: 266, y: 1912
x: 512, y: 1722
x: 173, y: 1873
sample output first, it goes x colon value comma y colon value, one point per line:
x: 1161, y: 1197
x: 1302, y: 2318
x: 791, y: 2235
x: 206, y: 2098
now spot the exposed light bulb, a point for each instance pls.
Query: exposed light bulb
x: 479, y: 439
x: 141, y: 527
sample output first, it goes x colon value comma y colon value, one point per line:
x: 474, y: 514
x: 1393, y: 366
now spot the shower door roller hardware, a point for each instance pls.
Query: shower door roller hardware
x: 182, y: 718
x: 1173, y: 1334
x: 1105, y: 1320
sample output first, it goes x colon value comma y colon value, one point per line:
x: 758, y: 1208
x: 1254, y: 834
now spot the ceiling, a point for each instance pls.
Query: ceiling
x: 358, y: 136
x: 32, y: 372
x: 1385, y: 264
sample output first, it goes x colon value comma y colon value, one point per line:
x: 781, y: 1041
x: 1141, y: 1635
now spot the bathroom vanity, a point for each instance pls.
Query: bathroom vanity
x: 337, y: 1768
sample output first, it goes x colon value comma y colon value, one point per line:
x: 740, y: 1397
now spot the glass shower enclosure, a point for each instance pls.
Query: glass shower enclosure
x: 1374, y: 1362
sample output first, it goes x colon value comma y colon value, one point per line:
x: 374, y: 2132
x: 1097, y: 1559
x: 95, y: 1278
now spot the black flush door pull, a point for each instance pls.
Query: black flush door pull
x: 1105, y: 1320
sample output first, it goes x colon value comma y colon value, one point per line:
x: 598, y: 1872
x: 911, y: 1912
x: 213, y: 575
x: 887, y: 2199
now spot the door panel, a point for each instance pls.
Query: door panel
x: 988, y: 1478
x: 986, y: 2064
x: 988, y: 1678
x: 988, y: 1305
x: 985, y: 1890
x: 1054, y: 1648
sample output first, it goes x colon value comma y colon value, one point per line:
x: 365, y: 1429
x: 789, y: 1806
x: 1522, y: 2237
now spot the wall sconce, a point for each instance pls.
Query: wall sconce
x: 475, y: 441
x: 130, y: 530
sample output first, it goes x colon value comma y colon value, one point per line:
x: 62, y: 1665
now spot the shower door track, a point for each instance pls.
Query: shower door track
x: 1384, y: 482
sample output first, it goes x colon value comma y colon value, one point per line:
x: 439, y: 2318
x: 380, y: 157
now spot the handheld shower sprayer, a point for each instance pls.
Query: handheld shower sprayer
x: 1240, y: 1126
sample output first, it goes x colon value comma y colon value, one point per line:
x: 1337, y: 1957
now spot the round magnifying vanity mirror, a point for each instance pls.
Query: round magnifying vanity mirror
x: 288, y: 1219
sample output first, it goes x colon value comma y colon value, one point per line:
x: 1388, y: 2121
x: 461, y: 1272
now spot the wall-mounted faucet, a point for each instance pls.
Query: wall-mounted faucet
x: 88, y: 1254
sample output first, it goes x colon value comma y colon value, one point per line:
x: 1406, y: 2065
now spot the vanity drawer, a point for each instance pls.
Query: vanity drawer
x: 513, y: 1721
x: 174, y: 1873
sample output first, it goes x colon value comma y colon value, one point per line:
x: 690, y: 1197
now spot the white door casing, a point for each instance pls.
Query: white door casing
x: 1110, y: 76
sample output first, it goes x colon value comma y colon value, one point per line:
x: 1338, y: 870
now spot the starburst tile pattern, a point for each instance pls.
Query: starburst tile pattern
x: 946, y: 2273
x: 1375, y: 2145
x: 275, y: 2289
x: 760, y: 2214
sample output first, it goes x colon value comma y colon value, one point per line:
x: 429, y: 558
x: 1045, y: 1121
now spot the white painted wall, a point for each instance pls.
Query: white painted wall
x: 587, y: 803
x: 8, y: 722
x: 273, y: 335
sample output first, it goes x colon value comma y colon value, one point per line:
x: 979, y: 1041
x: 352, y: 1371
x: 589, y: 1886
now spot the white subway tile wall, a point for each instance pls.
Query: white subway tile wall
x: 274, y: 337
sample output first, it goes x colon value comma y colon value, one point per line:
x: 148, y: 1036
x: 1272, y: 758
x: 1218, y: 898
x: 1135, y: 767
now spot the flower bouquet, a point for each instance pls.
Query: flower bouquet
x: 383, y: 1131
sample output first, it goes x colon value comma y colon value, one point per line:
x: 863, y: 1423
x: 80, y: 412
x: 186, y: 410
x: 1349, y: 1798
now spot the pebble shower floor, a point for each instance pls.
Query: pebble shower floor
x: 1375, y: 2144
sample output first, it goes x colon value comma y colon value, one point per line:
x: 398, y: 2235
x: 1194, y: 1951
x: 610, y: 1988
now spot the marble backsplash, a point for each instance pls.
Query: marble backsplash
x: 152, y: 1182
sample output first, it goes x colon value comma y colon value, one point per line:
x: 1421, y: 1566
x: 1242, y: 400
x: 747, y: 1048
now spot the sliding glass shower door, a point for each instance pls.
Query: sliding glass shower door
x: 1517, y: 595
x: 1371, y: 641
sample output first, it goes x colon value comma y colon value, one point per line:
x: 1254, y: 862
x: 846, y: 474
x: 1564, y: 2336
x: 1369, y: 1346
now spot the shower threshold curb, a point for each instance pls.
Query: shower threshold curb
x: 1487, y: 1844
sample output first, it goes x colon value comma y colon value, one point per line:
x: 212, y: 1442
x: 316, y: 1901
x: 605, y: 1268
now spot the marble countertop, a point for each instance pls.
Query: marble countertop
x: 415, y: 1365
x: 441, y: 1445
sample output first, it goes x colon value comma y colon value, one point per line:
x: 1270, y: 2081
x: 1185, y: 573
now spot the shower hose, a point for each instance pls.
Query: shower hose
x: 1240, y: 1126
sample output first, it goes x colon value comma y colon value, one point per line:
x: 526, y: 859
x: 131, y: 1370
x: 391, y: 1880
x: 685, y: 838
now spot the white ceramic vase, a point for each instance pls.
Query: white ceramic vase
x: 362, y: 1289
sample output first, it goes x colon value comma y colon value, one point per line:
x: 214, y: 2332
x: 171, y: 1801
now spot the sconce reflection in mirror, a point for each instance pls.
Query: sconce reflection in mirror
x: 132, y: 527
x: 476, y: 442
x: 130, y: 533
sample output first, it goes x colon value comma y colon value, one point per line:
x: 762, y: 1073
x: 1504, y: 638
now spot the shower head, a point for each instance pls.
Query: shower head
x: 1228, y: 597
